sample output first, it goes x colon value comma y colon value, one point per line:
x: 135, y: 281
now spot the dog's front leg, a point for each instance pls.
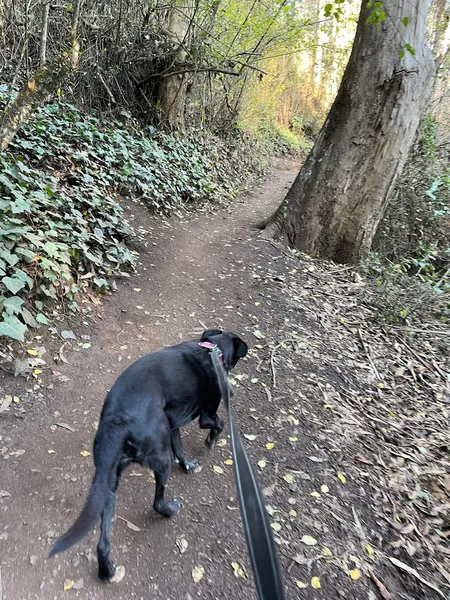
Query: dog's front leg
x: 177, y: 448
x: 215, y: 425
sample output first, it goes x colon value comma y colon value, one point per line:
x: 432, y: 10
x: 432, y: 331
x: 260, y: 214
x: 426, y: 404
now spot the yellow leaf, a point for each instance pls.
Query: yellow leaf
x: 270, y: 445
x: 32, y: 352
x: 326, y: 551
x: 37, y: 372
x: 137, y: 289
x: 301, y: 584
x: 342, y: 478
x: 197, y: 574
x: 257, y: 303
x: 68, y: 584
x: 217, y: 469
x: 16, y: 399
x: 315, y: 494
x: 315, y: 583
x: 238, y: 570
x: 355, y: 574
x: 221, y: 443
x: 276, y: 526
x: 228, y: 461
x: 293, y: 420
x: 292, y: 513
x: 262, y: 464
x: 293, y: 438
x: 308, y: 540
x: 288, y: 477
x: 51, y: 451
x: 85, y: 453
x: 369, y: 550
x: 324, y: 489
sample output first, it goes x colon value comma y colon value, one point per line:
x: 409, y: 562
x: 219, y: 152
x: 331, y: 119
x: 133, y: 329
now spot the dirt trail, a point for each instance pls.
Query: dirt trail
x: 192, y: 271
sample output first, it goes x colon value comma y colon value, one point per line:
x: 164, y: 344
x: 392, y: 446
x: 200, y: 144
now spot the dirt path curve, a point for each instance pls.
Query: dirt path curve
x: 193, y: 271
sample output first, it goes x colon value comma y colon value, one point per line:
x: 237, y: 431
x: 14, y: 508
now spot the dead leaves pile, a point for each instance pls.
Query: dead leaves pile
x: 385, y: 415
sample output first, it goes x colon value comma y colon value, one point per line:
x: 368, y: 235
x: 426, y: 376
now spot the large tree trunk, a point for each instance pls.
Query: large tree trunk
x: 337, y: 200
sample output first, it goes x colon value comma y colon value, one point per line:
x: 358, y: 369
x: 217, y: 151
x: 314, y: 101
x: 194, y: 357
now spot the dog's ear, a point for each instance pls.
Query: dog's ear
x: 240, y: 347
x: 210, y: 332
x: 233, y: 348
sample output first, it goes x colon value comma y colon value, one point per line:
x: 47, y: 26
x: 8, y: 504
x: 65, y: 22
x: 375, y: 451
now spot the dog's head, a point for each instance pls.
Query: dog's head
x: 231, y: 345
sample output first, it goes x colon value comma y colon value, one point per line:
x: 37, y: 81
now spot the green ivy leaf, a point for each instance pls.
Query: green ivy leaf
x: 405, y: 21
x: 13, y: 328
x: 13, y: 284
x: 12, y: 304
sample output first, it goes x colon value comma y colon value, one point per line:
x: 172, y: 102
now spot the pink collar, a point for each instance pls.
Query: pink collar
x: 210, y: 346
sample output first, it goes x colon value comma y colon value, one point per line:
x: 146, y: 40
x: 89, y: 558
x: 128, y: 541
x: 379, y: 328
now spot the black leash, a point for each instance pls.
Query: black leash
x: 258, y: 534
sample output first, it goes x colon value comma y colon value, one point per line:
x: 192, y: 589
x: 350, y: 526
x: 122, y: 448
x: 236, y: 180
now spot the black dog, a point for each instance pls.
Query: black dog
x: 140, y: 423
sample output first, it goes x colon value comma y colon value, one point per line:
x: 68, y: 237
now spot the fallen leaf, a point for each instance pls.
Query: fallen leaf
x: 118, y: 575
x: 301, y: 584
x: 229, y: 461
x: 326, y: 551
x: 250, y: 436
x: 293, y: 438
x: 182, y: 544
x: 355, y: 574
x: 129, y: 524
x: 369, y: 550
x: 276, y: 526
x: 270, y: 445
x: 217, y: 469
x: 51, y: 451
x: 324, y: 489
x: 254, y: 380
x: 221, y: 443
x: 5, y: 403
x: 270, y: 509
x: 68, y: 584
x: 317, y: 459
x: 315, y: 583
x: 37, y: 372
x: 238, y: 570
x: 315, y: 494
x: 16, y: 399
x: 342, y: 478
x: 32, y: 352
x: 288, y: 477
x: 197, y: 574
x: 292, y: 513
x: 136, y: 289
x: 65, y: 426
x: 68, y: 334
x: 85, y: 453
x: 262, y: 464
x: 308, y: 540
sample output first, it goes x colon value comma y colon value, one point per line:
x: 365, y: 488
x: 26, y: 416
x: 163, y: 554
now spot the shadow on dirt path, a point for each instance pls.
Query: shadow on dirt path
x: 193, y: 272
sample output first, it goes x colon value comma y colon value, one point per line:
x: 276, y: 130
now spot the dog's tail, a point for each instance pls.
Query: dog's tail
x: 107, y: 451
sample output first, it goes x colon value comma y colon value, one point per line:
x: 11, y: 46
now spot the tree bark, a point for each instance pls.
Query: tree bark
x: 75, y: 44
x: 44, y: 32
x: 337, y: 200
x: 46, y: 81
x: 172, y: 91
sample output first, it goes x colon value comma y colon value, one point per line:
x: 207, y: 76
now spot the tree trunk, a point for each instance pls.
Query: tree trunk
x: 46, y: 81
x: 44, y: 32
x: 337, y: 200
x: 172, y: 92
x: 75, y: 44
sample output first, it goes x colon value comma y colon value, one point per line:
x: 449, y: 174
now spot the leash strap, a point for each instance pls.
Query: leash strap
x: 258, y: 534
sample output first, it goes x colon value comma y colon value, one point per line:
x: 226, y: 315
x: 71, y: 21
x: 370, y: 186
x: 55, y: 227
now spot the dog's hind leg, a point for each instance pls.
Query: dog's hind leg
x: 106, y: 567
x: 177, y: 448
x: 162, y: 473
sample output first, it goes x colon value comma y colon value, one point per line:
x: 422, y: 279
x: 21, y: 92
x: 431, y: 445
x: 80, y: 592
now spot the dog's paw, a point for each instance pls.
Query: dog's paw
x: 173, y: 507
x: 191, y: 466
x: 210, y: 443
x: 118, y: 575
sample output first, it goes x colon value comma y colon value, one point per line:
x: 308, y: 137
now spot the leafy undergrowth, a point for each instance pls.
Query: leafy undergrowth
x: 62, y: 230
x: 372, y: 403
